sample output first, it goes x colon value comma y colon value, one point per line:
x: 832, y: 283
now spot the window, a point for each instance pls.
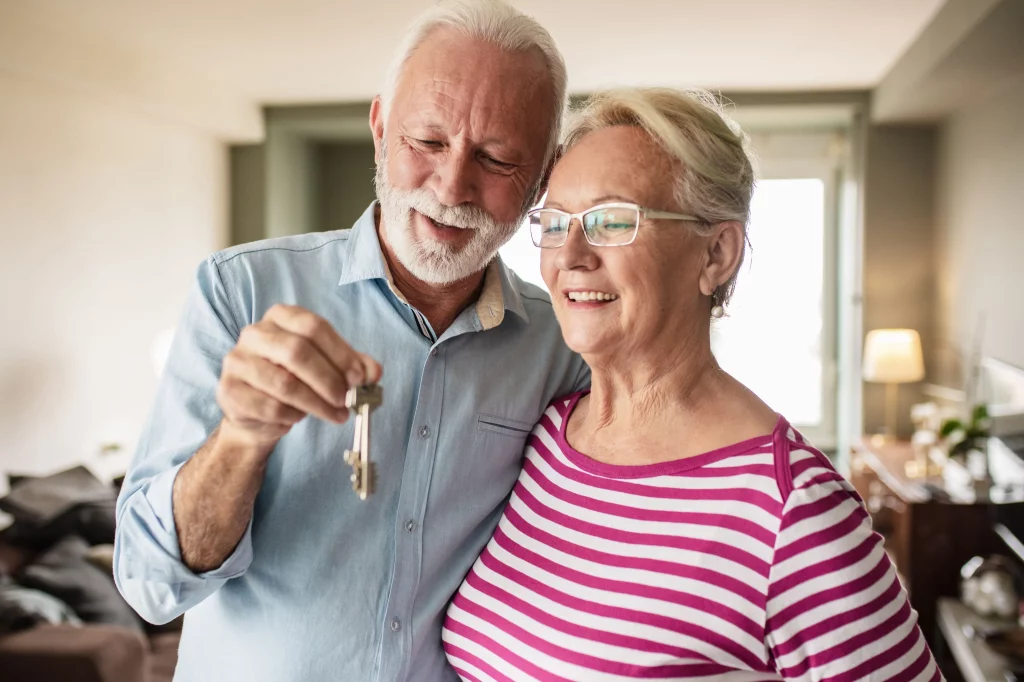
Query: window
x: 773, y: 338
x: 522, y: 256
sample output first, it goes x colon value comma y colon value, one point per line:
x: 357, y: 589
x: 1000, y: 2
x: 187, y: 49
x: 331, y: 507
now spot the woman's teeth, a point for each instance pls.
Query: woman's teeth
x: 590, y: 296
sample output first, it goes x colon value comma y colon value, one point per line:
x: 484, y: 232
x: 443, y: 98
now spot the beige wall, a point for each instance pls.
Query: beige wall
x: 899, y: 238
x: 290, y: 172
x: 104, y: 215
x: 345, y: 181
x: 981, y: 227
x: 248, y: 190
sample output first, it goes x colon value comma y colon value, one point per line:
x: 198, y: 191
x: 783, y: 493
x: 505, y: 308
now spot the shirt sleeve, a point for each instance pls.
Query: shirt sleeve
x: 836, y: 609
x: 148, y: 568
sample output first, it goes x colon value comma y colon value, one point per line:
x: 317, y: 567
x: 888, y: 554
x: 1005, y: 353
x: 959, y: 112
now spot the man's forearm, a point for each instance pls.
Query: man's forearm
x: 213, y: 499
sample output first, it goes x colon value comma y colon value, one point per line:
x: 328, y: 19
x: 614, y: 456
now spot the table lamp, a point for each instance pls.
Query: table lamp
x: 893, y: 357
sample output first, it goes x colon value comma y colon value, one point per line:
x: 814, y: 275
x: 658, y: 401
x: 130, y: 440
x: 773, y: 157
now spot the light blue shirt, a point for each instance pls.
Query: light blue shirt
x: 324, y: 586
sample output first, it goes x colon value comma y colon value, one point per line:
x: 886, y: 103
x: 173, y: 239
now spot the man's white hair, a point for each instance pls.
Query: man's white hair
x: 492, y: 21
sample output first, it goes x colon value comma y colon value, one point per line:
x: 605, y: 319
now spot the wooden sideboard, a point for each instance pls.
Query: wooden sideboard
x: 930, y: 534
x: 974, y: 660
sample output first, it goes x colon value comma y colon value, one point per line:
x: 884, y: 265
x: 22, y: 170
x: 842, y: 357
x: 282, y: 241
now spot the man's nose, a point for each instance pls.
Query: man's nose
x: 454, y: 178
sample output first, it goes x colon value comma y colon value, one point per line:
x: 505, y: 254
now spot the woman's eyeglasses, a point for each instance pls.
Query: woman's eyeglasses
x: 614, y: 224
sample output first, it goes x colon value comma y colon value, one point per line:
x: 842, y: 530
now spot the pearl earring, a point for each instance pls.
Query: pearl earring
x: 717, y: 311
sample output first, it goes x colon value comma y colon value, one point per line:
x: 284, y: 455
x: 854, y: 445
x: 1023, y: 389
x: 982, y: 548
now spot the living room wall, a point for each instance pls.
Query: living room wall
x: 105, y: 212
x: 899, y: 263
x: 981, y: 226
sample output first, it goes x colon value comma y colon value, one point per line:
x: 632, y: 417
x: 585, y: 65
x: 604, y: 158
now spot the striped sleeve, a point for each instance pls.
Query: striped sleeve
x: 836, y: 610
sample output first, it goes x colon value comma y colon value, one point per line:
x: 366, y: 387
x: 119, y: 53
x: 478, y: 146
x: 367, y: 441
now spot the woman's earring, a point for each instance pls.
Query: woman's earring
x: 717, y: 311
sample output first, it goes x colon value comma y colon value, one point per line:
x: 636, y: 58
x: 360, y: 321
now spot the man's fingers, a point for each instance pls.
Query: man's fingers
x: 373, y: 369
x: 303, y: 323
x: 299, y: 356
x: 278, y: 383
x: 244, y: 404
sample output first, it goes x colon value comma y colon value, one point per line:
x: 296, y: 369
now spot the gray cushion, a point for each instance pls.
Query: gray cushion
x: 102, y: 557
x: 22, y: 608
x: 42, y: 500
x: 71, y: 502
x: 65, y: 572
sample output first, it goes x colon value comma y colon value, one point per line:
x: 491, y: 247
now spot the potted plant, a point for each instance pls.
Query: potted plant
x: 967, y: 440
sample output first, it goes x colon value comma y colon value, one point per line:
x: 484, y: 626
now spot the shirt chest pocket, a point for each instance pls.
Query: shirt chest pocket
x: 497, y: 454
x: 503, y: 426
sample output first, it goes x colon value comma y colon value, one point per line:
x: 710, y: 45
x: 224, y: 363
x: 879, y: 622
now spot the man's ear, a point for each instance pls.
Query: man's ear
x: 546, y: 178
x: 377, y: 126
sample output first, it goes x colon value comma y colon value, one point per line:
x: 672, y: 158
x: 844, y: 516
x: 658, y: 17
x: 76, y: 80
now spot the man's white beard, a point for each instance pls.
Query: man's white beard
x: 433, y: 261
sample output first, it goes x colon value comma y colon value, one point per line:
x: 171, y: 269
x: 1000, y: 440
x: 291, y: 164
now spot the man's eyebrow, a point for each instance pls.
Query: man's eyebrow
x: 424, y: 128
x: 492, y: 146
x: 500, y: 149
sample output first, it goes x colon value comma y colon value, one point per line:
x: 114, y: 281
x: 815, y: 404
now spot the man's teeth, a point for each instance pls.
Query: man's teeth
x: 438, y: 224
x: 591, y: 296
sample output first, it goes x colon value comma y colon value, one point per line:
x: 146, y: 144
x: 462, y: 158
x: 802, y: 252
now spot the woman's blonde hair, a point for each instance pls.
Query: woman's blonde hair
x: 715, y: 176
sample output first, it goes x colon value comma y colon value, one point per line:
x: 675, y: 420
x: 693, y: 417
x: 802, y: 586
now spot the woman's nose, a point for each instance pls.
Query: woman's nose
x: 576, y: 252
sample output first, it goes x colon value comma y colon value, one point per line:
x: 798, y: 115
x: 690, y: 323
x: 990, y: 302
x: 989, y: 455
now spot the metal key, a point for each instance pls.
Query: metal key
x: 363, y: 400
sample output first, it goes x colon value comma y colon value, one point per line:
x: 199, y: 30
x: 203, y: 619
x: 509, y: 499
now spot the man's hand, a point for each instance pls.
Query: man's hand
x: 290, y: 364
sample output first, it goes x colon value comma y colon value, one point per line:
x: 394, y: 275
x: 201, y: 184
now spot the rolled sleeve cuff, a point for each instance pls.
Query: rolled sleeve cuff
x: 148, y: 568
x: 160, y: 496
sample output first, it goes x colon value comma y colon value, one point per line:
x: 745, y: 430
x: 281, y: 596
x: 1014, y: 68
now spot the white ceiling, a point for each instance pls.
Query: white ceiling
x: 276, y: 51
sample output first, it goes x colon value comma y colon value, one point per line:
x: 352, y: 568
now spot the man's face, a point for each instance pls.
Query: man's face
x: 460, y: 157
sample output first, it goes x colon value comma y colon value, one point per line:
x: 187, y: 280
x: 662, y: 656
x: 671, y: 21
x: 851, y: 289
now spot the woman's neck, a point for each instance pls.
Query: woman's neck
x: 640, y: 393
x: 665, y: 403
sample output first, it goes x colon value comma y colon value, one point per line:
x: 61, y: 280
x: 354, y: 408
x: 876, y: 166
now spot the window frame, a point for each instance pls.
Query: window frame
x: 820, y: 155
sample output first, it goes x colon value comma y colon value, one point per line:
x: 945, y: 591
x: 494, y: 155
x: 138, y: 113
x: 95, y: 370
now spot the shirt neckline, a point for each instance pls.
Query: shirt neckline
x: 675, y: 466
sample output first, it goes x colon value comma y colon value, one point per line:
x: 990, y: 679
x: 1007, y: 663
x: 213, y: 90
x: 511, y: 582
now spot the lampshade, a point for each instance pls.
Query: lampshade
x: 893, y: 356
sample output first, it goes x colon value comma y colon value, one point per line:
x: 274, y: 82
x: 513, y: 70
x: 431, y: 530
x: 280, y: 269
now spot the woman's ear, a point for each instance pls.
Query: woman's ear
x: 724, y: 255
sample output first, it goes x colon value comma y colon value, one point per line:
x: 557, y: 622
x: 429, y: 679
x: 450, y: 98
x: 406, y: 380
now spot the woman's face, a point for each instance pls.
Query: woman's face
x: 654, y: 282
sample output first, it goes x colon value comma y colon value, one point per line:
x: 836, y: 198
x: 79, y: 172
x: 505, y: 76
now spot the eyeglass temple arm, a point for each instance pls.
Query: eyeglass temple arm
x: 670, y: 216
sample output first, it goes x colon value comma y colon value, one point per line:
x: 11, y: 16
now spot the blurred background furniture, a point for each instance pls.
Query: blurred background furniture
x: 932, y: 527
x: 975, y: 661
x: 57, y: 555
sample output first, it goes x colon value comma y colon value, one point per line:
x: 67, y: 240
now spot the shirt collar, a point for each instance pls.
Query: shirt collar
x: 365, y: 261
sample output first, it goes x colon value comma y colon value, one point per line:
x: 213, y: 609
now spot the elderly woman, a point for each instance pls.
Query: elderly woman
x: 668, y: 524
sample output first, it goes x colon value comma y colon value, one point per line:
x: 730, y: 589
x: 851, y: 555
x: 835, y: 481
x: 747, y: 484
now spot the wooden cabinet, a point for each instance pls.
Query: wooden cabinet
x: 929, y: 534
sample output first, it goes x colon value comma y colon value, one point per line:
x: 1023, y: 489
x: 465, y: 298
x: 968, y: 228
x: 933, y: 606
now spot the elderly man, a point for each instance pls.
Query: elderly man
x: 238, y: 506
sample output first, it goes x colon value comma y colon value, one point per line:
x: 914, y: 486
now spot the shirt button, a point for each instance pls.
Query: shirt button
x: 409, y: 525
x: 433, y: 353
x: 396, y: 625
x: 424, y: 431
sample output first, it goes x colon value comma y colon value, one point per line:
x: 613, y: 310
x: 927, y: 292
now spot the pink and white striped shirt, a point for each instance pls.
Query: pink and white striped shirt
x: 753, y: 562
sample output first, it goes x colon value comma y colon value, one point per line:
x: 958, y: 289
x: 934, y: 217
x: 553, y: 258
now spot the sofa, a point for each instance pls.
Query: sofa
x: 61, y: 618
